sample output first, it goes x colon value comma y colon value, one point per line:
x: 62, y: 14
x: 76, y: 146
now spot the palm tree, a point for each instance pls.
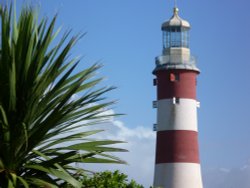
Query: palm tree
x: 40, y: 123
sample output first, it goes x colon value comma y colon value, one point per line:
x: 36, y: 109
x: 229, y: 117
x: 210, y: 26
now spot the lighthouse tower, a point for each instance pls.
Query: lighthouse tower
x: 177, y: 163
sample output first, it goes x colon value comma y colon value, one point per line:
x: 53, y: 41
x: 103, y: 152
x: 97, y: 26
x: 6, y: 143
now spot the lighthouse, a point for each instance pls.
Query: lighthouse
x: 177, y: 163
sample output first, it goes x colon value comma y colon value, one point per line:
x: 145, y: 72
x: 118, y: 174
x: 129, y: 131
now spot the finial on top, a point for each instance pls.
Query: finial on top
x: 175, y: 20
x: 176, y: 10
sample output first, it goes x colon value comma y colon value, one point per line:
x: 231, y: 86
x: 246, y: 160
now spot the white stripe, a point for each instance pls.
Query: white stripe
x: 177, y: 175
x: 177, y: 114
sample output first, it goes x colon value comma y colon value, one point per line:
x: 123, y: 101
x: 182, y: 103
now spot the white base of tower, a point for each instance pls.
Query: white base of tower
x: 178, y: 175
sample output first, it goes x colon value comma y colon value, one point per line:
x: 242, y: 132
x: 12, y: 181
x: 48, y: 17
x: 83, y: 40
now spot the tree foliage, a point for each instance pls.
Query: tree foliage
x: 40, y: 125
x: 109, y: 179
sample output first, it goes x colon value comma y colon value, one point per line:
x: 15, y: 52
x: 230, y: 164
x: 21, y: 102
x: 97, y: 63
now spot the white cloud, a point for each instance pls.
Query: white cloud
x: 238, y: 177
x: 141, y: 146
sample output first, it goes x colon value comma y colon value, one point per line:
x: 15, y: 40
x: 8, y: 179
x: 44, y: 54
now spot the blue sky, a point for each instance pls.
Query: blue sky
x: 125, y: 36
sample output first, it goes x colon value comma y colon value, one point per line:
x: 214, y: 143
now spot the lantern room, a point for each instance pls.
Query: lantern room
x: 175, y: 32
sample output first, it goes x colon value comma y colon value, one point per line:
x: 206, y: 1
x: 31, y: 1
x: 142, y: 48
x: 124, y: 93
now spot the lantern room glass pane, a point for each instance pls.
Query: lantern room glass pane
x: 175, y: 37
x: 185, y: 38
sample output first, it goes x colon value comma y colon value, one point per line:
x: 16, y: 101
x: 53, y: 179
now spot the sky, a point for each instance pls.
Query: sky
x: 125, y: 36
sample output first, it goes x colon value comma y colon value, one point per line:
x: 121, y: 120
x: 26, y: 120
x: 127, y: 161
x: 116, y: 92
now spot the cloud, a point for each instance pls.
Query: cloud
x: 140, y: 142
x: 238, y: 177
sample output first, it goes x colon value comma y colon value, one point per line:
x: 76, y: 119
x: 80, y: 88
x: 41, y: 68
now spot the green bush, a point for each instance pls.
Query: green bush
x: 108, y: 179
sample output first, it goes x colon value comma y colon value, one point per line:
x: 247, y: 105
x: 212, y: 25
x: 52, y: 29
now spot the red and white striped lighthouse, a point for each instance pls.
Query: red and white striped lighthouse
x: 177, y: 163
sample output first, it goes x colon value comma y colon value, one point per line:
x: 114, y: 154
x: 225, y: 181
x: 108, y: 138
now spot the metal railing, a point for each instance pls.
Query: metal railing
x: 175, y: 59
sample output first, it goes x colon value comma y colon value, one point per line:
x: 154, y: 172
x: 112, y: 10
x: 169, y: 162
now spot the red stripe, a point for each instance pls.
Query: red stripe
x: 185, y: 87
x: 177, y: 146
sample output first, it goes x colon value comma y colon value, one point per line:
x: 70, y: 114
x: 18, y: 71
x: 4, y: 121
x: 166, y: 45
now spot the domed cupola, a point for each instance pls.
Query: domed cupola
x: 175, y: 32
x: 176, y: 20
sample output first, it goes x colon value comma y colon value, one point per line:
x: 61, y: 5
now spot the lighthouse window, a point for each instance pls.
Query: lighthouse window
x: 185, y: 38
x: 155, y: 82
x: 166, y: 39
x: 176, y: 37
x: 174, y: 77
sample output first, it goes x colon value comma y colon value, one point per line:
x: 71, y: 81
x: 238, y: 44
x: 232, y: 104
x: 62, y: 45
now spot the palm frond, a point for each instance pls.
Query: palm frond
x: 40, y: 125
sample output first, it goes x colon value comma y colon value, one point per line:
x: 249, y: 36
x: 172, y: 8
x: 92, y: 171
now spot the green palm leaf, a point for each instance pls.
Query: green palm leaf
x: 41, y: 134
